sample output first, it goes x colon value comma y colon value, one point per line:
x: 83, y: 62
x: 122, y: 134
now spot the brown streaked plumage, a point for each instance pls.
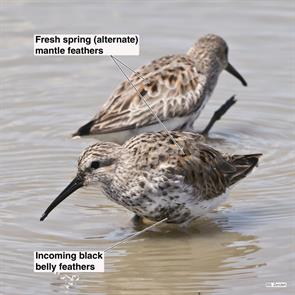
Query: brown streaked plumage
x: 176, y: 87
x: 151, y: 177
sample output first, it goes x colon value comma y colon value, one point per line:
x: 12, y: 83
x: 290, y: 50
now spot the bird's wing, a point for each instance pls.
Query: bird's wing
x: 211, y: 172
x: 172, y: 86
x: 206, y: 170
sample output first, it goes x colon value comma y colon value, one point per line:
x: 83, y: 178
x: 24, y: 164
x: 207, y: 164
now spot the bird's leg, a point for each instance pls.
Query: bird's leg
x: 188, y: 126
x: 219, y: 113
x: 137, y: 220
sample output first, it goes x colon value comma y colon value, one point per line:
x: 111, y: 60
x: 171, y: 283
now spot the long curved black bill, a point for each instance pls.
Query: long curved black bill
x: 235, y: 73
x: 75, y: 184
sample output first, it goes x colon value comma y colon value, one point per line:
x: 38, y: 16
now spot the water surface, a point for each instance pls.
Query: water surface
x: 246, y: 243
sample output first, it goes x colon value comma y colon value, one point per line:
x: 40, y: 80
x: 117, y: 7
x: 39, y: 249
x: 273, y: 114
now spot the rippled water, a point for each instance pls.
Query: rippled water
x: 248, y: 242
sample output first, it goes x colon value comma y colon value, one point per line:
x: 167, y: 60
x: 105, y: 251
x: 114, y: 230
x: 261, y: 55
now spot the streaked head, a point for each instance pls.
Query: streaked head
x: 95, y: 166
x: 214, y: 48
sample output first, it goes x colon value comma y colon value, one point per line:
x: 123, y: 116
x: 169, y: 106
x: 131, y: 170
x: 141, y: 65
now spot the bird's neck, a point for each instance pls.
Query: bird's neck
x: 114, y: 187
x: 206, y: 64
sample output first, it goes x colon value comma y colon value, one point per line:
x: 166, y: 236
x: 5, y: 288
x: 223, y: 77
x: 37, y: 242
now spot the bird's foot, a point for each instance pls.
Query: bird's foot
x: 137, y: 220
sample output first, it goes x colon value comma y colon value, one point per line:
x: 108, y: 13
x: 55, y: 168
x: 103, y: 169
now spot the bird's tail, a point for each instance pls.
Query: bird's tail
x: 84, y: 130
x: 243, y: 164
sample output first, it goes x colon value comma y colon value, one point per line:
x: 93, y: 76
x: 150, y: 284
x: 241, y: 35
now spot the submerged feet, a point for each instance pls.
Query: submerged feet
x: 137, y: 220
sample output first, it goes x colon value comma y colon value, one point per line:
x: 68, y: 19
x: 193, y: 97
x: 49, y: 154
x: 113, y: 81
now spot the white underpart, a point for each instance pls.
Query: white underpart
x: 203, y: 104
x: 205, y: 206
x: 122, y: 136
x: 196, y: 205
x: 171, y: 124
x: 195, y: 115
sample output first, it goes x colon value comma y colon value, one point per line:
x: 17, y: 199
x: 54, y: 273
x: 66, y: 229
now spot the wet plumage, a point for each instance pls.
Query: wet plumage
x: 151, y: 177
x: 176, y: 87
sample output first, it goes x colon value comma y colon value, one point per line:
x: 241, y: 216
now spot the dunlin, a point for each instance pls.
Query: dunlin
x: 151, y: 177
x: 176, y: 87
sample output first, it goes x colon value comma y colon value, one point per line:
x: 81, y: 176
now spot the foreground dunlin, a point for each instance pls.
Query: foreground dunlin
x: 176, y: 87
x: 151, y: 177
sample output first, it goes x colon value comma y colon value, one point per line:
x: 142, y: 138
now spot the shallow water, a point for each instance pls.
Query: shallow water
x: 246, y: 243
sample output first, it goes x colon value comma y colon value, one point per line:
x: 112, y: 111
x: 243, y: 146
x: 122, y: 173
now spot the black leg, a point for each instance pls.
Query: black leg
x: 219, y: 113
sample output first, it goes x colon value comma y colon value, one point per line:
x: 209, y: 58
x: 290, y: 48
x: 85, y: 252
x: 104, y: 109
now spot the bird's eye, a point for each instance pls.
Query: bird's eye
x: 95, y: 165
x: 226, y: 51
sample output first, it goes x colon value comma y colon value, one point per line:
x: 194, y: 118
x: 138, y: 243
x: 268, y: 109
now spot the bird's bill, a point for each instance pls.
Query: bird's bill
x: 235, y: 73
x: 75, y: 184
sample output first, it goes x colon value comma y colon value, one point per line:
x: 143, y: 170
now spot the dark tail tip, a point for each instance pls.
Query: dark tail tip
x: 252, y: 159
x: 84, y: 130
x: 244, y: 165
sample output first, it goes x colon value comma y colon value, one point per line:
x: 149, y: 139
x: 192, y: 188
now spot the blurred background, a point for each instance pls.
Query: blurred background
x: 240, y: 248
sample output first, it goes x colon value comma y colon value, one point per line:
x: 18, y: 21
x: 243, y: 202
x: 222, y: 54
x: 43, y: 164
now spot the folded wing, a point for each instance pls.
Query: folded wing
x: 211, y: 173
x: 172, y: 86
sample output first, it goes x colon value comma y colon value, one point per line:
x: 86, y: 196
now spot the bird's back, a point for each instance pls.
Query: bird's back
x: 207, y: 170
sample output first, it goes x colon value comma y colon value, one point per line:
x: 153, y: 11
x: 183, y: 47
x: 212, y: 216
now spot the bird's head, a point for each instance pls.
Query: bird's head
x: 95, y: 166
x: 213, y: 48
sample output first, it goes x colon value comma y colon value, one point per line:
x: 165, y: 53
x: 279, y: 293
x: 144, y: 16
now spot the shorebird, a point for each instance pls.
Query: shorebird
x: 176, y: 87
x: 151, y: 177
